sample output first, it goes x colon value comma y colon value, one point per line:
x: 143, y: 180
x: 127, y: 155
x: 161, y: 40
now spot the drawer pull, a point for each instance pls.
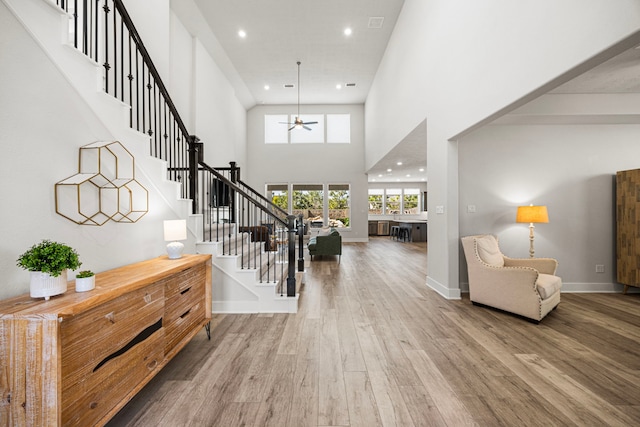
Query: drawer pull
x: 185, y: 314
x: 185, y: 291
x: 146, y: 333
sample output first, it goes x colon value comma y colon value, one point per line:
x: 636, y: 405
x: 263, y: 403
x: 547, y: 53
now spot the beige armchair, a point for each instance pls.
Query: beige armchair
x: 527, y: 287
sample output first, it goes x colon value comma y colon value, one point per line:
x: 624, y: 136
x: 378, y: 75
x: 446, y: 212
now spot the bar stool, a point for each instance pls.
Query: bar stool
x: 405, y: 234
x: 395, y: 232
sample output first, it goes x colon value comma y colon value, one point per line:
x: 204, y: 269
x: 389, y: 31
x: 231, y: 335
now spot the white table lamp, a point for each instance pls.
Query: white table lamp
x: 174, y: 230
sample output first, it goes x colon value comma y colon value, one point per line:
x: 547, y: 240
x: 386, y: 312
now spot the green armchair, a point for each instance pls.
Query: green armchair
x: 330, y: 244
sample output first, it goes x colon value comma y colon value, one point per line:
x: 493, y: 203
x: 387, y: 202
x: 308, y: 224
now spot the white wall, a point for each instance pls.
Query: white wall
x: 220, y: 118
x: 312, y: 163
x: 456, y: 62
x: 569, y: 168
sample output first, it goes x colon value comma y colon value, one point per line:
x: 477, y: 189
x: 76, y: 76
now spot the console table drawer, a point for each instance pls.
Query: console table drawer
x: 89, y: 401
x: 182, y: 281
x: 90, y: 337
x: 179, y: 327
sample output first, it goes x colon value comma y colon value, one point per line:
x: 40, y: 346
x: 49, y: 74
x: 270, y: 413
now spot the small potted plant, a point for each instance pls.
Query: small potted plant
x: 47, y: 263
x: 85, y: 281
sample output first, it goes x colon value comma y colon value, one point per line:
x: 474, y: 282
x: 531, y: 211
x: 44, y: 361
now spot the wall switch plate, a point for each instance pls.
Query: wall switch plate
x: 471, y: 208
x: 599, y: 268
x: 439, y: 209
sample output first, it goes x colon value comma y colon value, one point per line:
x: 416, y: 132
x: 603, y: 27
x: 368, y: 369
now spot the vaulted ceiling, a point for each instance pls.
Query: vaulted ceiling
x: 339, y: 68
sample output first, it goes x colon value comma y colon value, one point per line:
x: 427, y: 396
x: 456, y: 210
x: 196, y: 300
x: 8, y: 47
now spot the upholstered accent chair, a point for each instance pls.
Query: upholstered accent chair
x: 527, y: 287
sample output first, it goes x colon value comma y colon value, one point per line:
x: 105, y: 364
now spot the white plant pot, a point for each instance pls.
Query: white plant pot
x: 84, y: 284
x: 45, y: 285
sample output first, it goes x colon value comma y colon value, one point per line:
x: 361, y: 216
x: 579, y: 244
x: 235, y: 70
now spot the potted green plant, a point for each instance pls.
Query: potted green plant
x: 85, y: 281
x: 47, y: 263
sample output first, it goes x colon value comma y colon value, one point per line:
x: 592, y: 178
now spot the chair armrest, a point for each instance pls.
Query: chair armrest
x: 543, y: 265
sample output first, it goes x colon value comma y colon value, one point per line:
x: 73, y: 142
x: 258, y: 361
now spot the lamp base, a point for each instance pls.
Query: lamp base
x: 174, y: 250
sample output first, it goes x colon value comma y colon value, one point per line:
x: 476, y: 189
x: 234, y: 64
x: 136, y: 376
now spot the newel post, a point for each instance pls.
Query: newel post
x: 300, y: 243
x: 291, y: 267
x: 196, y: 155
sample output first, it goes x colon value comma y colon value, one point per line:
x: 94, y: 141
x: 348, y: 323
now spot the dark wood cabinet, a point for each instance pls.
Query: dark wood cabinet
x: 628, y: 228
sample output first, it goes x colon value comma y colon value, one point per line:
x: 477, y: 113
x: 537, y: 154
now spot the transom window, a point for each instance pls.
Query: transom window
x: 330, y: 128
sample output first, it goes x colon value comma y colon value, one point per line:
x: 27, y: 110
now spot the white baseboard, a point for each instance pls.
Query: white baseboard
x: 447, y: 293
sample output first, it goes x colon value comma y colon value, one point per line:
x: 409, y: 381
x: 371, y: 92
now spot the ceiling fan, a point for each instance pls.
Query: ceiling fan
x: 298, y: 123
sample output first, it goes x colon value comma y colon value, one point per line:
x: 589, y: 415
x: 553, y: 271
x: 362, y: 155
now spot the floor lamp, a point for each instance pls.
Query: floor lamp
x: 532, y: 214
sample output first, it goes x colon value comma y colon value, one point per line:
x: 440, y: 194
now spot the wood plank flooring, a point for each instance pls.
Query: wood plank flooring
x: 371, y: 345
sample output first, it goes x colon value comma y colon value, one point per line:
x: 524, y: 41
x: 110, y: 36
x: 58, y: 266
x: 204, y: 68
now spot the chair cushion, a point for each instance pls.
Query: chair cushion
x: 489, y: 251
x: 548, y: 285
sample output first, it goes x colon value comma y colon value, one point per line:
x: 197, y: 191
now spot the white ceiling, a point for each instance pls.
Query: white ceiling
x: 282, y: 32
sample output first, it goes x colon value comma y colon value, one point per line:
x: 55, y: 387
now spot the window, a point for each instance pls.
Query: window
x: 338, y: 129
x: 339, y: 211
x: 375, y: 201
x: 274, y: 131
x: 308, y: 201
x: 396, y: 201
x: 279, y: 195
x: 410, y: 201
x: 392, y: 201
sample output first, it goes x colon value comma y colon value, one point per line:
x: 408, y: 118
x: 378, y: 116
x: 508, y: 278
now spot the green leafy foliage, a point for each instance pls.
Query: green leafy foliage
x: 84, y: 273
x: 49, y: 257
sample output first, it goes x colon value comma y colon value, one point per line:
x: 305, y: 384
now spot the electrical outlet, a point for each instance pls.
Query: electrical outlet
x: 599, y: 268
x: 439, y: 209
x: 471, y: 208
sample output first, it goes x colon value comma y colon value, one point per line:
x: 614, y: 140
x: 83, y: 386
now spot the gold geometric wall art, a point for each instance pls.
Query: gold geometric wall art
x: 104, y: 189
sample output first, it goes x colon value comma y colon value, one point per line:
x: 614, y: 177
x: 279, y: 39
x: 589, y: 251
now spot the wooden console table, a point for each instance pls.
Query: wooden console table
x: 78, y: 358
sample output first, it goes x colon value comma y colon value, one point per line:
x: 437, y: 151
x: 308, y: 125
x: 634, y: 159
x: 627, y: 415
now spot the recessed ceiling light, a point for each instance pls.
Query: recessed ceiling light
x: 242, y: 34
x: 347, y: 31
x: 338, y: 86
x: 399, y: 163
x: 408, y: 175
x: 379, y: 175
x: 266, y: 87
x: 388, y: 170
x: 398, y: 179
x: 421, y: 169
x: 373, y: 180
x: 423, y: 179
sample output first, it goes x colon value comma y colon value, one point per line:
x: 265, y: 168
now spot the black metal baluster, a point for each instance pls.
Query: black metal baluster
x: 106, y: 46
x: 75, y: 23
x: 164, y: 135
x: 85, y: 27
x: 155, y: 122
x: 137, y: 78
x: 115, y: 55
x: 131, y: 85
x: 149, y: 131
x: 96, y: 14
x: 121, y: 60
x: 144, y: 123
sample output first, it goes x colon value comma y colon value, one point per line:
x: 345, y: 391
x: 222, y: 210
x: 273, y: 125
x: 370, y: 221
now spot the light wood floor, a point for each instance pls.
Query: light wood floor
x: 373, y: 346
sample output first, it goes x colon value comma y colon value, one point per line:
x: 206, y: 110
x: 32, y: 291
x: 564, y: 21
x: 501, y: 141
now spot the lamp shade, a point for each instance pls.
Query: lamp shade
x: 175, y: 229
x: 532, y: 214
